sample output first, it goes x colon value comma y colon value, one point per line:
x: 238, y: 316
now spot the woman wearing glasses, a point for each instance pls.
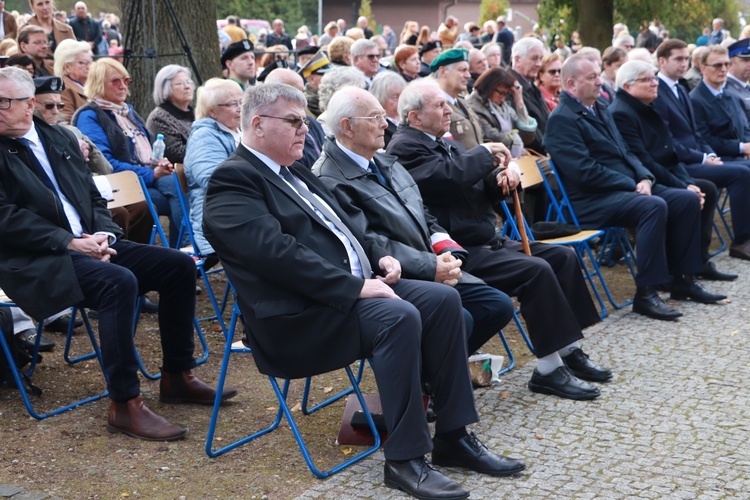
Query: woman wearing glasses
x: 173, y: 116
x: 72, y: 62
x: 121, y: 135
x: 549, y: 79
x: 214, y: 136
x: 500, y: 122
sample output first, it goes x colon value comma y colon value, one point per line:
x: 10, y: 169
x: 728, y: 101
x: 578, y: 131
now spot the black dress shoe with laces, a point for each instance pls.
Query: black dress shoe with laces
x: 469, y: 453
x: 710, y: 272
x: 29, y: 337
x: 686, y: 288
x: 564, y: 384
x: 648, y: 303
x: 60, y: 324
x: 417, y: 478
x: 581, y: 366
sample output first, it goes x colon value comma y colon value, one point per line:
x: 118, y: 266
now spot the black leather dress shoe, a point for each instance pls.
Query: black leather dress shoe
x: 686, y: 288
x: 648, y: 303
x: 148, y: 305
x: 710, y: 272
x: 469, y: 453
x: 419, y: 480
x: 740, y: 250
x: 581, y: 366
x: 564, y: 384
x: 60, y: 324
x: 29, y: 337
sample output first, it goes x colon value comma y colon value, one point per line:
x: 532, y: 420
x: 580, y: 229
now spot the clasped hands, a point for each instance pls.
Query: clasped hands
x: 95, y: 246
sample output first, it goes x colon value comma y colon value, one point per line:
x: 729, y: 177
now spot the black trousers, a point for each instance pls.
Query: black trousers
x: 112, y: 289
x: 667, y: 229
x: 486, y: 312
x: 549, y: 284
x: 418, y: 339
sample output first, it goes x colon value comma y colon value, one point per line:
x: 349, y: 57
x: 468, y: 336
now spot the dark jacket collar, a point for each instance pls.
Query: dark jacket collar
x: 178, y: 113
x: 349, y: 169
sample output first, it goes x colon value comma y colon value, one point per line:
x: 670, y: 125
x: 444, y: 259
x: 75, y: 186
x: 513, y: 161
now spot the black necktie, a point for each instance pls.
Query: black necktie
x: 376, y: 170
x: 332, y: 218
x: 39, y: 170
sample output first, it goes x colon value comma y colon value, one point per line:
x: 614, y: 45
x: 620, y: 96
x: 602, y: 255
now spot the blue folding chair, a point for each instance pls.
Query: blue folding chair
x: 19, y: 376
x: 560, y: 209
x: 281, y: 393
x: 722, y: 209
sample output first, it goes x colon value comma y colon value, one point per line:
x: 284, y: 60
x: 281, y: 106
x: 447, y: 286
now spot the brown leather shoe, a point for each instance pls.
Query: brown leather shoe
x: 134, y: 419
x: 184, y: 387
x: 741, y: 251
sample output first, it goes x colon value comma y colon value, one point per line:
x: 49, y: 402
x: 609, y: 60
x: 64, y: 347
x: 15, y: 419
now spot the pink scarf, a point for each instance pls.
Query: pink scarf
x: 129, y: 128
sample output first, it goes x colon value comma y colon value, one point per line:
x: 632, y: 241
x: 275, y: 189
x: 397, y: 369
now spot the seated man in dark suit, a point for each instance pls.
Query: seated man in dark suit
x: 648, y: 138
x: 527, y: 61
x: 386, y: 205
x: 676, y: 110
x: 55, y: 228
x: 609, y: 186
x: 305, y: 285
x: 460, y: 188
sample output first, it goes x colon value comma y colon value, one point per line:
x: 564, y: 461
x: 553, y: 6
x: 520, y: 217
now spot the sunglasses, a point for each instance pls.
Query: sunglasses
x: 554, y: 71
x: 49, y: 106
x: 120, y: 81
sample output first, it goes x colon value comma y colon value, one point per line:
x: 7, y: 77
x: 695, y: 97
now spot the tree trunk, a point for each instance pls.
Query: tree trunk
x: 595, y: 21
x: 153, y: 33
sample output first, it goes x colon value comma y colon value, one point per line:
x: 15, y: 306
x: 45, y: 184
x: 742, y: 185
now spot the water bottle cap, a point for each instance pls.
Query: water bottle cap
x: 159, y: 136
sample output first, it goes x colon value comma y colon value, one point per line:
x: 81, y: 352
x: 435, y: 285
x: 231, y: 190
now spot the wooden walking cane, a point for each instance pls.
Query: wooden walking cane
x: 521, y: 223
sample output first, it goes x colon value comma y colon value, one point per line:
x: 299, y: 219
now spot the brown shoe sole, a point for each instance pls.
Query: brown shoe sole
x: 117, y: 430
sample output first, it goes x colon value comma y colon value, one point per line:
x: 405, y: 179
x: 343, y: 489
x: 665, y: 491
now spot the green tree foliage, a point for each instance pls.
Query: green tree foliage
x: 365, y: 9
x: 294, y: 13
x: 683, y: 19
x: 492, y: 9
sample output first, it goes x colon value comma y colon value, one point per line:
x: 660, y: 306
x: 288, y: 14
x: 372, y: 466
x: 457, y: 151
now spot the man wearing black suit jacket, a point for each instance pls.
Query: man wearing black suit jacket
x: 648, y: 138
x: 59, y: 247
x: 527, y: 61
x: 676, y: 110
x: 306, y: 287
x: 609, y: 186
x: 460, y: 189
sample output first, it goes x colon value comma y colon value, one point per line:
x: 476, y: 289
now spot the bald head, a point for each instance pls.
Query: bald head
x: 286, y: 76
x: 357, y: 120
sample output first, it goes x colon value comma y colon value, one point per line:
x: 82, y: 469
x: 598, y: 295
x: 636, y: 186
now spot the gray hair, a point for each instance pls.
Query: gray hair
x: 341, y: 106
x: 641, y: 54
x: 412, y: 98
x: 336, y: 79
x: 360, y: 46
x: 259, y: 98
x: 66, y: 52
x: 212, y: 93
x: 163, y: 82
x: 621, y: 39
x: 20, y: 79
x: 632, y: 70
x: 571, y: 67
x: 521, y: 47
x: 385, y: 81
x: 588, y: 51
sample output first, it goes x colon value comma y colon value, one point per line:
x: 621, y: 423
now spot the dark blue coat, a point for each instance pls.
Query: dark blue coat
x: 594, y: 163
x: 721, y: 121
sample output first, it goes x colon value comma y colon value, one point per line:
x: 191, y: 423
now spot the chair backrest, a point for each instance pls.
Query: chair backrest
x: 560, y: 209
x: 126, y: 189
x: 530, y: 174
x: 180, y: 169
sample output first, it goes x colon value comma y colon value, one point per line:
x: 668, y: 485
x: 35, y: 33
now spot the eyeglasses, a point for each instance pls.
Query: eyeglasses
x: 296, y: 123
x: 49, y: 106
x: 647, y: 79
x: 554, y: 71
x: 5, y: 102
x: 120, y: 81
x: 379, y: 117
x: 719, y: 65
x: 372, y: 57
x: 233, y: 104
x: 185, y: 83
x: 503, y: 93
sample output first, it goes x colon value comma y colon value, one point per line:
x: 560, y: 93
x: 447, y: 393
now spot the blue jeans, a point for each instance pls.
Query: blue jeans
x: 163, y: 194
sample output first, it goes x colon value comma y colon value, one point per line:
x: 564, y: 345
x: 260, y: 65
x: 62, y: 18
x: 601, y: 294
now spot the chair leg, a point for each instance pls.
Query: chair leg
x: 511, y: 359
x: 522, y: 330
x: 332, y: 399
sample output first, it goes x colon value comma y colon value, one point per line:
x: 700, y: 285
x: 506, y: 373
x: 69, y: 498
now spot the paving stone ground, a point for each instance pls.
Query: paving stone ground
x: 674, y: 423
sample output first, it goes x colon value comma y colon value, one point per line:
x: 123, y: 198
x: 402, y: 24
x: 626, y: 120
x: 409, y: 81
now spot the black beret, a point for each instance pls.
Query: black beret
x: 236, y: 49
x: 48, y: 85
x: 278, y: 63
x: 430, y: 46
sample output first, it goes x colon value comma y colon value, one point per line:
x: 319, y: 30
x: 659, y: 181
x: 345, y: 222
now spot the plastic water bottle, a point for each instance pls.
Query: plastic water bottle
x: 158, y: 148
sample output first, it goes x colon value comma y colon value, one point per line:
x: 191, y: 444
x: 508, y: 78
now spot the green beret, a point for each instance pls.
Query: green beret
x: 449, y: 57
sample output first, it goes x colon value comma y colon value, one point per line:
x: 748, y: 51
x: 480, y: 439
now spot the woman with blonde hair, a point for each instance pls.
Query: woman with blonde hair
x: 214, y: 136
x: 549, y: 79
x: 410, y: 33
x: 122, y: 136
x: 43, y: 17
x: 340, y: 51
x: 72, y: 62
